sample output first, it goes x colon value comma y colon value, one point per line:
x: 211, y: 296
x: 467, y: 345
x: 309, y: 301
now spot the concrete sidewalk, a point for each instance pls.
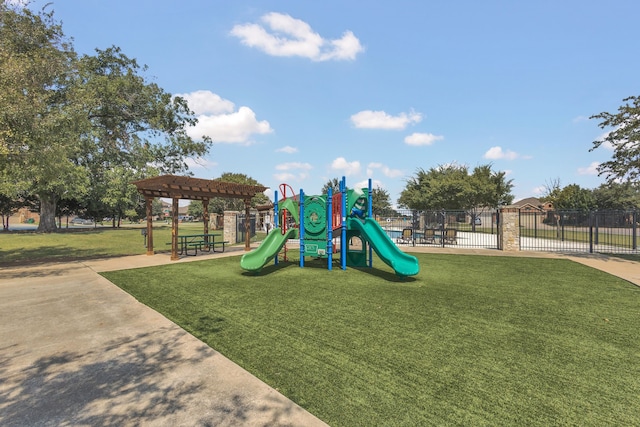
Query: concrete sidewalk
x: 77, y: 350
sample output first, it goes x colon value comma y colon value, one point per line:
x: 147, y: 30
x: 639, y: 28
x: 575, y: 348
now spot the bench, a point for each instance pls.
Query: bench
x: 199, y: 244
x: 214, y: 244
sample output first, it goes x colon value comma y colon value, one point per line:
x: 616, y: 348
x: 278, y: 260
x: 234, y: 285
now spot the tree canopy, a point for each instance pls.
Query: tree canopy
x: 75, y: 127
x: 624, y: 138
x: 452, y: 187
x: 221, y: 204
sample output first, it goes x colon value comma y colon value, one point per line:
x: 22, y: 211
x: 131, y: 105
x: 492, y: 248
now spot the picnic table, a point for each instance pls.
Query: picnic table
x: 200, y: 242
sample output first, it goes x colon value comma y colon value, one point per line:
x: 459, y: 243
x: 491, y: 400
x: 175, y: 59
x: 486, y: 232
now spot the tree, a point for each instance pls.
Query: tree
x: 196, y: 209
x: 333, y: 184
x: 616, y: 195
x: 624, y: 138
x: 69, y: 123
x: 221, y: 204
x: 452, y: 187
x: 39, y: 126
x: 571, y: 197
x: 381, y: 202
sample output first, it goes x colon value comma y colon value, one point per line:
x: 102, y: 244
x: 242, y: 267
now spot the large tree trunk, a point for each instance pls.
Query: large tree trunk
x: 48, y: 202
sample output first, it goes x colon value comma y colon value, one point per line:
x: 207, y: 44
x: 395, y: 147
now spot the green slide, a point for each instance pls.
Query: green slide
x: 402, y: 263
x: 268, y: 249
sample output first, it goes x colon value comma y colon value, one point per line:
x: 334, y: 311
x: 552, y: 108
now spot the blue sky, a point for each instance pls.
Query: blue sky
x: 304, y: 91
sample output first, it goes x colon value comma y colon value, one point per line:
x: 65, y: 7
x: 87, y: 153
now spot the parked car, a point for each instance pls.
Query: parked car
x: 477, y: 221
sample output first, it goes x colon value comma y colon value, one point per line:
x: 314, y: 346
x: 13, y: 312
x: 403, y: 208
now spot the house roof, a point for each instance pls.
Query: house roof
x: 533, y: 201
x: 184, y: 187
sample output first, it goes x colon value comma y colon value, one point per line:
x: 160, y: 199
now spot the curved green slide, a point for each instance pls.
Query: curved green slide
x: 402, y: 263
x: 268, y: 249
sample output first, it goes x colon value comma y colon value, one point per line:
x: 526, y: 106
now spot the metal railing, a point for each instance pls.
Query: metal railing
x: 442, y: 228
x: 611, y: 231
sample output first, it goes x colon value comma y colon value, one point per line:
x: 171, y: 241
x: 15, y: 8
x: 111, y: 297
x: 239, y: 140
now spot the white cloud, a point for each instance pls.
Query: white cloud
x: 292, y: 171
x: 293, y: 166
x: 368, y: 119
x: 287, y: 149
x: 497, y: 153
x: 365, y: 184
x: 218, y: 120
x: 283, y: 35
x: 592, y: 169
x: 580, y: 119
x: 605, y: 144
x: 540, y: 190
x: 284, y: 177
x: 418, y: 139
x: 346, y: 168
x: 386, y: 170
x: 207, y: 102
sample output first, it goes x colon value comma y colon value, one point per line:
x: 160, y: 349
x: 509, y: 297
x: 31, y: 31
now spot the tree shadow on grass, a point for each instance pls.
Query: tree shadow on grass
x: 128, y: 381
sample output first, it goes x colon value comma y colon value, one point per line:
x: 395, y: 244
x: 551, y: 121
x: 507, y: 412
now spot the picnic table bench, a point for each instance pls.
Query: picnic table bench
x: 199, y: 242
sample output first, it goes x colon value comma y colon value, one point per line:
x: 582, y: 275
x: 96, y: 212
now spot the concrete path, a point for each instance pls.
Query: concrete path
x: 77, y: 350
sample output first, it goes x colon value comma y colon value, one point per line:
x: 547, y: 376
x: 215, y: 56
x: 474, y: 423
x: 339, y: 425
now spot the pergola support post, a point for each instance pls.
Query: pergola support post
x: 149, y: 212
x: 174, y: 229
x: 205, y: 218
x: 247, y: 225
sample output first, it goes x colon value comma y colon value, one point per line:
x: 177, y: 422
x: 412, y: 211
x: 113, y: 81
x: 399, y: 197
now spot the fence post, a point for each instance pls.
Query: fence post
x: 595, y: 238
x: 590, y: 232
x: 444, y: 218
x: 634, y: 228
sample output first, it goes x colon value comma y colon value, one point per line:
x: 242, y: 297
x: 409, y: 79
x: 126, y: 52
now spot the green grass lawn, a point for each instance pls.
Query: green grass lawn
x: 471, y: 340
x: 85, y: 243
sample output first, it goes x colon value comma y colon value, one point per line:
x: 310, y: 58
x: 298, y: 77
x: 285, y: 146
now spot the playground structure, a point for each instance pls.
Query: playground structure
x: 324, y: 223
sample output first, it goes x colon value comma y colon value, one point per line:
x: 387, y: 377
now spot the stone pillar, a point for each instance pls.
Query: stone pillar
x: 509, y: 229
x: 230, y: 231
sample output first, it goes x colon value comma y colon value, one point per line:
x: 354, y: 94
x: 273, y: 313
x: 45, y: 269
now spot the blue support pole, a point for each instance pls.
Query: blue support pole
x: 301, y: 230
x: 275, y: 218
x: 329, y: 229
x: 343, y: 237
x: 370, y: 215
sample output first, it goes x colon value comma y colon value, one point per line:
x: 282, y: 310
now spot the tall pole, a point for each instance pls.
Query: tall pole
x: 275, y: 218
x: 343, y: 237
x: 370, y: 215
x: 329, y: 228
x: 301, y: 230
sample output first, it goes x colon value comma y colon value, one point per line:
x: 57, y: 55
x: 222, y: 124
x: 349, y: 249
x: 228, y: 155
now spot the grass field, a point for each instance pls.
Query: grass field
x: 471, y: 340
x: 85, y: 243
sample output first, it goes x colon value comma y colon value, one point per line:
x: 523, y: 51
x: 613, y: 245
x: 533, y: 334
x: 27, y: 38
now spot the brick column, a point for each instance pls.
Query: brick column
x: 509, y: 229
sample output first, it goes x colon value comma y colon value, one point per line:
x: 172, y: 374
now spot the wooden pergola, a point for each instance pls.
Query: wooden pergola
x: 184, y: 187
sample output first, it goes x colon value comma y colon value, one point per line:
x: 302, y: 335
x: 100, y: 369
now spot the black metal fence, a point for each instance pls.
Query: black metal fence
x: 240, y: 227
x: 612, y: 231
x: 442, y: 228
